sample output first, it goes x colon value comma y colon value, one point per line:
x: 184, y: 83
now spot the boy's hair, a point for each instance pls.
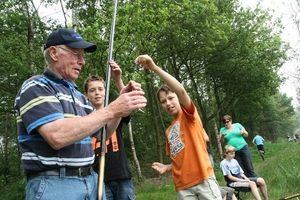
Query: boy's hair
x: 163, y: 88
x: 229, y: 148
x: 90, y: 79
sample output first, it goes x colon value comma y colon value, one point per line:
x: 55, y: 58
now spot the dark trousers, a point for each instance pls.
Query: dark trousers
x: 243, y: 156
x: 260, y: 147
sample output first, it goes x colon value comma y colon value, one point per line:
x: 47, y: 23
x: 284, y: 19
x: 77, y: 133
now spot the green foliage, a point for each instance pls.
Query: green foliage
x: 12, y: 187
x: 276, y: 116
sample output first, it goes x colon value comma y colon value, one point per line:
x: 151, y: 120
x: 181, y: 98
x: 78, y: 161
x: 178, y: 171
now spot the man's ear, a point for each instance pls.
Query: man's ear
x: 53, y: 52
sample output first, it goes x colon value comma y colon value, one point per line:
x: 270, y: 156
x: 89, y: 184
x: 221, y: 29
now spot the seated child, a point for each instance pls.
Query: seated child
x: 235, y: 177
x: 227, y: 193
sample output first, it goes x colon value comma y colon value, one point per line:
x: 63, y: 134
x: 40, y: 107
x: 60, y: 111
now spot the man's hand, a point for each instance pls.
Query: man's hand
x: 131, y: 98
x: 131, y: 86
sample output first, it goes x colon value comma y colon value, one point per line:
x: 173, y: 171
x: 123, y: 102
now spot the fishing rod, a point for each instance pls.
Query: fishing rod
x: 103, y: 138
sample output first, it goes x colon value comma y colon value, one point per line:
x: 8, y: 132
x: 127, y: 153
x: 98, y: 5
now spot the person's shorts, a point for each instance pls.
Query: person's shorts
x: 208, y: 189
x: 243, y: 183
x: 227, y: 191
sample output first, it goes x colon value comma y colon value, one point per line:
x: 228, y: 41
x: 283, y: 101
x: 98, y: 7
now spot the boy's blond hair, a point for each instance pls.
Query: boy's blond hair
x: 229, y: 148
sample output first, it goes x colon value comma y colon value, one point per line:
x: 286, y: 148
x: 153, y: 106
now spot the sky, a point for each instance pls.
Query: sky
x: 282, y: 9
x: 54, y: 12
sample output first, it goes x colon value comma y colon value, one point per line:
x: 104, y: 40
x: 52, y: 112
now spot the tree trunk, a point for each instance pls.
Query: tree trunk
x: 64, y: 12
x: 217, y: 137
x: 158, y: 138
x: 5, y: 139
x: 137, y: 164
x: 153, y: 105
x: 74, y: 18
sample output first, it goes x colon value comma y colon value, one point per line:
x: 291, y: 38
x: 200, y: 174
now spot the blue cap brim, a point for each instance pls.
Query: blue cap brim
x: 87, y: 46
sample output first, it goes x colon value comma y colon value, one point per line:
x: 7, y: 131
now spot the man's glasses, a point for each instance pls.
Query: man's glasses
x: 226, y: 122
x: 73, y: 53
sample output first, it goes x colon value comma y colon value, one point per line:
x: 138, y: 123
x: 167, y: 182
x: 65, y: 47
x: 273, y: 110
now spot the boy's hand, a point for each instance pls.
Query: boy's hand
x: 160, y: 168
x: 146, y: 61
x: 116, y: 71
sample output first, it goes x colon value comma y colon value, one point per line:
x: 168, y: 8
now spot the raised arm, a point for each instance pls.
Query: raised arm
x: 147, y: 62
x: 116, y: 74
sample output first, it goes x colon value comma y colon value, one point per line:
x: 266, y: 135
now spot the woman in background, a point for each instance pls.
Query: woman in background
x: 233, y: 134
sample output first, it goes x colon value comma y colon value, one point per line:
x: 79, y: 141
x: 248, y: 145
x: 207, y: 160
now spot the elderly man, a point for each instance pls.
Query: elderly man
x: 56, y: 122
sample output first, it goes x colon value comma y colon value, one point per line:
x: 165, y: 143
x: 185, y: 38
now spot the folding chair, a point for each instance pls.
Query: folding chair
x: 239, y: 190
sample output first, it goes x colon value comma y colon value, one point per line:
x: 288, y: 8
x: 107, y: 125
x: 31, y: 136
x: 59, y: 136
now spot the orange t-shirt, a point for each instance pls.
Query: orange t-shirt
x: 186, y: 146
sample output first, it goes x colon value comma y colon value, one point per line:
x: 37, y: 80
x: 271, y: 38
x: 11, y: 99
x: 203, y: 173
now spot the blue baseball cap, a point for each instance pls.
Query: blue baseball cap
x: 69, y: 38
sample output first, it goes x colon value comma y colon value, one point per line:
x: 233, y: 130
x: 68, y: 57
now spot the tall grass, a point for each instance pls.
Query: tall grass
x: 280, y: 169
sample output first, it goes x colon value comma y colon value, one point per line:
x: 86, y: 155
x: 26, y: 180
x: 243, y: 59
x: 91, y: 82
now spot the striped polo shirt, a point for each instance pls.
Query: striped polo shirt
x: 43, y: 99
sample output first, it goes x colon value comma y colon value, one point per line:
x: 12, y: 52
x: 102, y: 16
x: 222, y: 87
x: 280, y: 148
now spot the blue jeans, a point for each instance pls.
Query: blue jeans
x: 63, y: 187
x: 243, y: 156
x: 119, y: 190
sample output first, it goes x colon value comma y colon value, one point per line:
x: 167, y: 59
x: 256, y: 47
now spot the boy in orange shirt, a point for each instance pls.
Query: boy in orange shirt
x: 191, y: 169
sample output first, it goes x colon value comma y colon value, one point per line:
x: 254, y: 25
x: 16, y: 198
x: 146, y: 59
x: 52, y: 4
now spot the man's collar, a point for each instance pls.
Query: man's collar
x: 57, y: 78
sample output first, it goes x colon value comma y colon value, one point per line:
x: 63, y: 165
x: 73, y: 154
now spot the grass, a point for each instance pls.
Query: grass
x: 156, y: 189
x: 281, y: 171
